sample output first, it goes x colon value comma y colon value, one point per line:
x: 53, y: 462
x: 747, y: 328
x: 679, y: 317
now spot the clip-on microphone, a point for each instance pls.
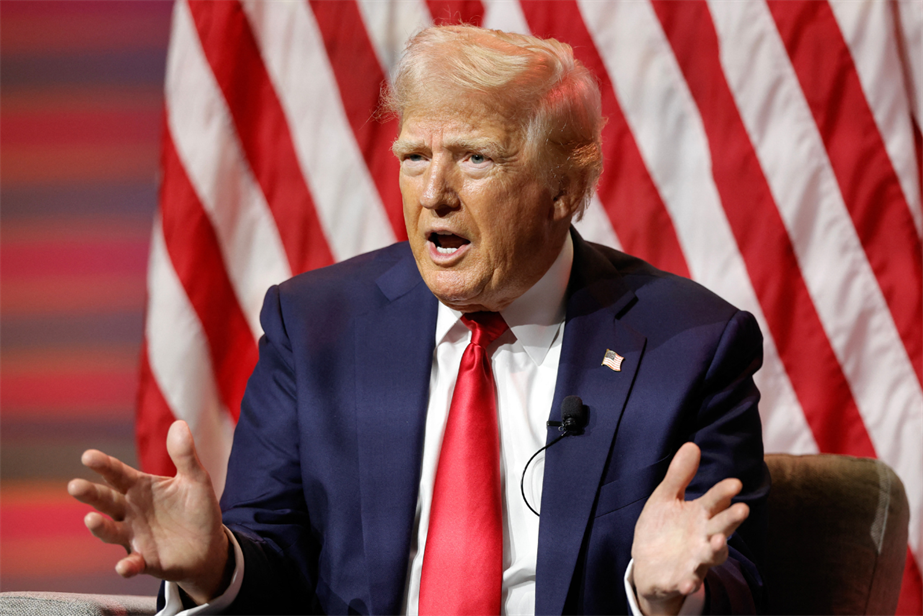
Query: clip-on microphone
x: 573, y: 421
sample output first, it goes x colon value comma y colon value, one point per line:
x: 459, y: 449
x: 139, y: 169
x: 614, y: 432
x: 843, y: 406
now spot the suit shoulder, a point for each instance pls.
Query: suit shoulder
x: 352, y: 278
x: 330, y: 297
x: 672, y: 295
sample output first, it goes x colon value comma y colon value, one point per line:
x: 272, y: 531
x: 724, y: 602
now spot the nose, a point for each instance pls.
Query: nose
x: 438, y: 192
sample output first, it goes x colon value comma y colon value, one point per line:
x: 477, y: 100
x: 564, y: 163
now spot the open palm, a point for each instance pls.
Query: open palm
x: 676, y: 541
x: 170, y: 526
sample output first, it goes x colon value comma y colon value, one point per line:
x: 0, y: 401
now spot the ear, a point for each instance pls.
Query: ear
x: 565, y: 203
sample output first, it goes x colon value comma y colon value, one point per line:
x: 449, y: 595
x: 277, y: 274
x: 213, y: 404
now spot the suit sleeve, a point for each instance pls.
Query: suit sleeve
x: 729, y: 433
x: 263, y: 502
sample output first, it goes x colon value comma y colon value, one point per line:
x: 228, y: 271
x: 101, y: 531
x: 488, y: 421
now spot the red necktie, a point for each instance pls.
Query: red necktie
x: 463, y: 558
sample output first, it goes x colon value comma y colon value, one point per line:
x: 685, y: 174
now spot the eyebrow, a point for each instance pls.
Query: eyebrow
x: 478, y: 145
x: 404, y: 146
x: 488, y: 146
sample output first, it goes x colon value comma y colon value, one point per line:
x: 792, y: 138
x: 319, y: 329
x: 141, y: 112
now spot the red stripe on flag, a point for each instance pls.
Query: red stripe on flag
x: 196, y: 256
x: 630, y: 197
x: 152, y: 421
x: 456, y: 11
x: 360, y: 78
x: 803, y: 346
x: 868, y: 182
x: 234, y: 56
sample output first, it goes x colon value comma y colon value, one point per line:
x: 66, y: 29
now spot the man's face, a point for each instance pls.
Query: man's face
x: 482, y: 225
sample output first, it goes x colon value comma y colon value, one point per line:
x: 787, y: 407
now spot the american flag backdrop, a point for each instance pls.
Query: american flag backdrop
x: 769, y: 149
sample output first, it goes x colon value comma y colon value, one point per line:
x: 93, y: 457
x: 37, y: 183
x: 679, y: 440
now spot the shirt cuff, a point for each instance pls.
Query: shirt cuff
x: 174, y: 602
x: 692, y: 605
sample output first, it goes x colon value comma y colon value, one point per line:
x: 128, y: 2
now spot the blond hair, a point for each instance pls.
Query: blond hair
x: 537, y: 83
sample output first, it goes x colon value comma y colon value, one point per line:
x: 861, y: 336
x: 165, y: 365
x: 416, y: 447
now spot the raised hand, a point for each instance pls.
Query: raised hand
x: 170, y: 526
x: 677, y: 541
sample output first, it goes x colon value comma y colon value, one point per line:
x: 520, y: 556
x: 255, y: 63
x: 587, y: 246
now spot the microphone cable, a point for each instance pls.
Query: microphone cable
x: 573, y: 420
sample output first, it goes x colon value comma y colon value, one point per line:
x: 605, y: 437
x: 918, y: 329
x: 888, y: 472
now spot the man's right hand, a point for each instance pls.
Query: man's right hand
x: 677, y: 541
x: 170, y: 526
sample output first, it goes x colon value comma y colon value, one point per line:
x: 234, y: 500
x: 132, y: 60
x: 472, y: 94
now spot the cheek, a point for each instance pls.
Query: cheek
x: 409, y: 201
x: 521, y: 223
x: 407, y: 189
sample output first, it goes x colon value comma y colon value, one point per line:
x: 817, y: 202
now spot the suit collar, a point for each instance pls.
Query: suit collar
x: 595, y: 282
x: 597, y: 297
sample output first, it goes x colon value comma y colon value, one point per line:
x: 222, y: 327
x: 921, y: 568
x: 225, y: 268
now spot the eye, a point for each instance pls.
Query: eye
x: 413, y: 160
x: 413, y: 163
x: 478, y: 159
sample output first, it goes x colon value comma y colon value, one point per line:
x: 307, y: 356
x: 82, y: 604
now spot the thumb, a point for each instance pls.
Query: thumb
x: 181, y: 448
x: 682, y: 469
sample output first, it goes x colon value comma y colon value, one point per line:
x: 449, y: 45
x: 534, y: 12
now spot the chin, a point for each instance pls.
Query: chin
x: 453, y: 300
x: 449, y: 287
x: 471, y: 304
x: 459, y: 293
x: 458, y: 300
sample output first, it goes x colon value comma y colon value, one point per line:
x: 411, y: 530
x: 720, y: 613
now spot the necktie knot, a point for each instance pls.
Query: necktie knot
x: 485, y: 327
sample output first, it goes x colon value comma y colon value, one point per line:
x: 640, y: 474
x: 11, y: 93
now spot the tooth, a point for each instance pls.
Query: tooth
x: 445, y: 250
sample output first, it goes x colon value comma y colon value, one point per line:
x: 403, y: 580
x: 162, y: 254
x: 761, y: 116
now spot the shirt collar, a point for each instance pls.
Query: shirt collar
x: 535, y: 316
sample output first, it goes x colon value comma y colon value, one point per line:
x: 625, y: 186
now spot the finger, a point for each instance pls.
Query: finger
x: 102, y: 498
x: 717, y: 552
x: 181, y: 447
x: 690, y: 584
x: 718, y: 498
x: 107, y: 530
x: 681, y: 471
x: 116, y: 473
x: 725, y: 523
x: 131, y: 565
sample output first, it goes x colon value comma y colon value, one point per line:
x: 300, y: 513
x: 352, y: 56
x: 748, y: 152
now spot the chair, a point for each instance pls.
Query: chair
x: 74, y: 604
x: 837, y: 535
x: 836, y: 544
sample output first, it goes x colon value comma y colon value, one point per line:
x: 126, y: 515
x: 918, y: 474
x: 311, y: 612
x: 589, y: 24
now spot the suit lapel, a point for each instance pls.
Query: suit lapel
x: 574, y: 467
x: 394, y: 349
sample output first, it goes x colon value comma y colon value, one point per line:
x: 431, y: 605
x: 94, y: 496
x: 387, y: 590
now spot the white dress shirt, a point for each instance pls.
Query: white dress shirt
x: 524, y: 361
x: 525, y: 366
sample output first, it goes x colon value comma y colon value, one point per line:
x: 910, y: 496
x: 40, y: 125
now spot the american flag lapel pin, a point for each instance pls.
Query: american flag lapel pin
x: 613, y: 360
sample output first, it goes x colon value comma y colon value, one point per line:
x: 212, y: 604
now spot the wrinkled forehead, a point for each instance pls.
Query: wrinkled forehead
x: 463, y: 107
x: 469, y: 124
x: 489, y: 134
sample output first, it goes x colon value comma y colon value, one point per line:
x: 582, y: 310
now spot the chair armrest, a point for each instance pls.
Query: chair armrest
x: 74, y: 604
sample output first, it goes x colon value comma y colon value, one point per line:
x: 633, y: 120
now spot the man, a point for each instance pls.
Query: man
x: 336, y: 497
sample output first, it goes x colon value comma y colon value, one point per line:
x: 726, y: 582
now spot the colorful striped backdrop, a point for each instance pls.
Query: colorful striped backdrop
x: 81, y: 111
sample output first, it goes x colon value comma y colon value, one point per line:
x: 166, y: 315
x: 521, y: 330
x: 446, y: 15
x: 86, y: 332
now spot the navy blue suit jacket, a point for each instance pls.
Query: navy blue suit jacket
x: 323, y: 477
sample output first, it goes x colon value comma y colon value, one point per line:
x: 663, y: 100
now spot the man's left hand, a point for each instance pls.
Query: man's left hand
x: 677, y: 541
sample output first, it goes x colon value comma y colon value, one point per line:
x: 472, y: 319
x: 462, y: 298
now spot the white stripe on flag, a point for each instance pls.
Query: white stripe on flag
x: 202, y: 129
x: 390, y: 24
x: 180, y: 362
x: 910, y: 18
x: 595, y: 225
x: 868, y: 28
x: 345, y: 196
x: 504, y: 15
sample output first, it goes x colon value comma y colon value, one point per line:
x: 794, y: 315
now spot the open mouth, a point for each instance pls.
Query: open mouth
x: 447, y: 243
